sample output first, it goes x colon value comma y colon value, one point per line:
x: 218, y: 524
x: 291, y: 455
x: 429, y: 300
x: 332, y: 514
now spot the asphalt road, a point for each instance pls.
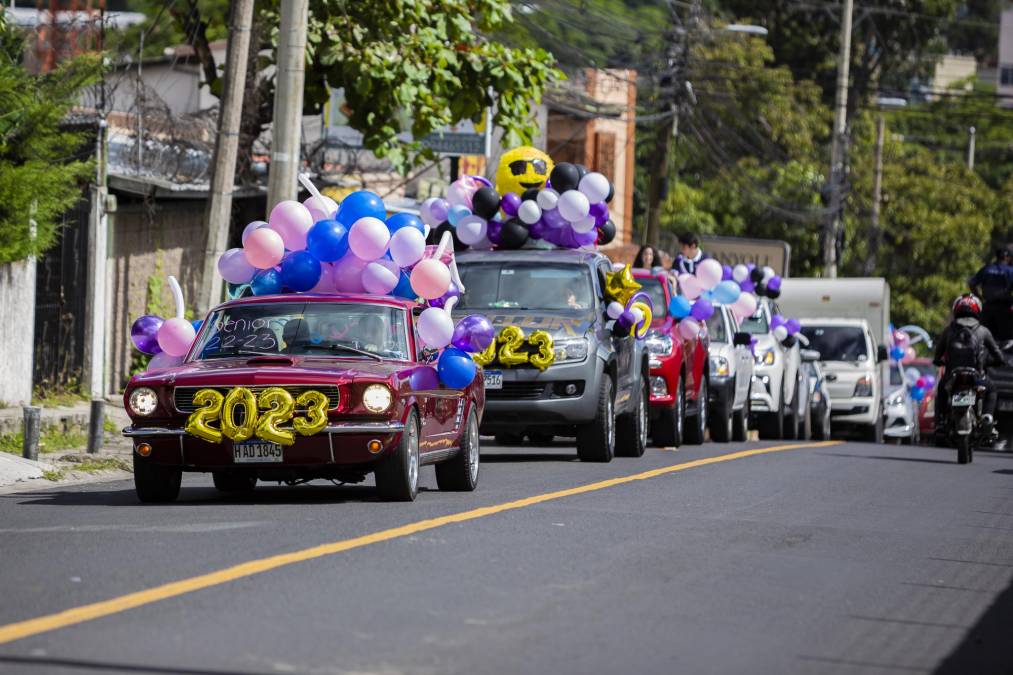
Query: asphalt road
x: 848, y: 558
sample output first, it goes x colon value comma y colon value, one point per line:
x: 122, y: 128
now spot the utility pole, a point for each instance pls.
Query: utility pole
x: 288, y: 102
x: 831, y: 233
x: 972, y: 132
x: 223, y: 175
x: 875, y: 233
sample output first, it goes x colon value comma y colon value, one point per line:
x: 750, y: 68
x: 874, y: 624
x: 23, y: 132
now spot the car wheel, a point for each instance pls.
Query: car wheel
x: 697, y: 429
x: 791, y: 417
x: 631, y: 428
x: 156, y: 484
x: 397, y: 474
x: 596, y: 440
x: 227, y: 481
x: 722, y: 422
x: 667, y: 432
x: 460, y: 472
x: 772, y: 423
x: 740, y: 423
x: 805, y: 425
x: 509, y: 439
x: 874, y: 432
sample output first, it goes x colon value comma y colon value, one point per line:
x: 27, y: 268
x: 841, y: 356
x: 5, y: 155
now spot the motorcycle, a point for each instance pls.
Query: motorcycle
x: 967, y: 398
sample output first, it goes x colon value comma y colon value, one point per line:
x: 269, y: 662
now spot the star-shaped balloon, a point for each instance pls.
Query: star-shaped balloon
x: 621, y: 285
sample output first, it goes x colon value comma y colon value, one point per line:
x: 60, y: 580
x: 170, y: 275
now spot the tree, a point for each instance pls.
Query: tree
x: 40, y: 174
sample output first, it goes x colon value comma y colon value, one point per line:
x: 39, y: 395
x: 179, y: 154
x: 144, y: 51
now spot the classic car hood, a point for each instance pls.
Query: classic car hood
x: 281, y: 369
x: 558, y: 324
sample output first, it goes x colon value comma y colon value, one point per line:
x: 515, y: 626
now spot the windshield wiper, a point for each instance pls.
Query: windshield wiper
x: 236, y: 352
x: 345, y: 348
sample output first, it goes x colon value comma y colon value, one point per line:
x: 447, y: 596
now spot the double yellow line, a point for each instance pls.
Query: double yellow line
x: 97, y: 610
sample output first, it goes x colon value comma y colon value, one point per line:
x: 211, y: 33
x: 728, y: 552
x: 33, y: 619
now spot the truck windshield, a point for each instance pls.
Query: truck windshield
x: 318, y: 328
x: 652, y: 286
x: 837, y: 343
x: 716, y: 327
x: 516, y: 285
x: 755, y: 324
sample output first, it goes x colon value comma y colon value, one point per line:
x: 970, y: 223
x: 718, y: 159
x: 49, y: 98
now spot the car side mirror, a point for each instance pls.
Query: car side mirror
x: 882, y: 354
x: 810, y: 355
x: 742, y: 339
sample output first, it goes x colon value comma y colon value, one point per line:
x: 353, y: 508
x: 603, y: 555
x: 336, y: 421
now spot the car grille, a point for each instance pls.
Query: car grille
x: 182, y: 397
x: 518, y: 391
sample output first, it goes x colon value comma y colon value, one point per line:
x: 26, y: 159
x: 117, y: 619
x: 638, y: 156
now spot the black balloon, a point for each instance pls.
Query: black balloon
x: 581, y: 171
x: 756, y: 275
x: 485, y: 202
x: 619, y: 330
x: 513, y: 234
x: 564, y: 176
x: 761, y: 289
x: 612, y: 192
x: 774, y: 295
x: 530, y: 195
x: 436, y: 234
x: 606, y: 233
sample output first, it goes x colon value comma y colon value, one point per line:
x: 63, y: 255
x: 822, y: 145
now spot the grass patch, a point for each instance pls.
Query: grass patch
x: 85, y: 464
x: 12, y: 443
x: 51, y: 440
x: 63, y: 397
x: 109, y: 426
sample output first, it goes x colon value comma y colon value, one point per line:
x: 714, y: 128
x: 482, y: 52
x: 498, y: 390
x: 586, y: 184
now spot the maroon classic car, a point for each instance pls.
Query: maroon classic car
x: 293, y: 388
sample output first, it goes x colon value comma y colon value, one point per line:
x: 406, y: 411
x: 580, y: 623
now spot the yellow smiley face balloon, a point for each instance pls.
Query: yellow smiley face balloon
x: 521, y: 169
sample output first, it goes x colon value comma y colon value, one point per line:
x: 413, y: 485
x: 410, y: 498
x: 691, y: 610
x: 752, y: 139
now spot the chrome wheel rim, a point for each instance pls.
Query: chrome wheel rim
x: 413, y: 456
x: 701, y: 405
x: 610, y: 423
x: 680, y: 407
x: 473, y: 453
x: 642, y: 414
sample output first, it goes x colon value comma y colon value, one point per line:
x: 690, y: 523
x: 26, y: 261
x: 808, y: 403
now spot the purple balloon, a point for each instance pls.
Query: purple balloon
x: 537, y: 229
x: 793, y: 326
x: 452, y: 292
x: 553, y: 218
x: 726, y: 273
x: 747, y: 286
x: 510, y: 203
x: 626, y: 320
x: 774, y: 283
x: 424, y: 379
x: 702, y: 310
x: 600, y: 211
x: 481, y: 179
x: 144, y: 334
x: 776, y: 321
x: 474, y: 333
x: 585, y: 238
x: 493, y: 231
x: 438, y: 209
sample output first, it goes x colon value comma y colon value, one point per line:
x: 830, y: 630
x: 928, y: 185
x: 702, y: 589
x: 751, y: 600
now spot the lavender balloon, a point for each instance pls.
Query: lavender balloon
x: 144, y: 334
x: 473, y: 333
x: 510, y: 203
x: 439, y: 209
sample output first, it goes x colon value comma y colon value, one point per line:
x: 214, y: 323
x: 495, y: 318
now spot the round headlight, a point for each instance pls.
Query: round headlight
x: 143, y: 401
x: 376, y: 398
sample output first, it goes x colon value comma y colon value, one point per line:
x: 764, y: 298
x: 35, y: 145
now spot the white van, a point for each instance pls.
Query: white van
x: 850, y: 358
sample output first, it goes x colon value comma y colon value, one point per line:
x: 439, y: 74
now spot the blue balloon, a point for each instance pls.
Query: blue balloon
x: 197, y: 323
x: 456, y: 368
x: 680, y: 307
x: 727, y: 292
x: 456, y: 212
x: 917, y: 393
x: 327, y: 240
x: 399, y: 220
x: 404, y: 288
x: 896, y: 353
x: 267, y: 282
x: 360, y: 204
x: 300, y: 271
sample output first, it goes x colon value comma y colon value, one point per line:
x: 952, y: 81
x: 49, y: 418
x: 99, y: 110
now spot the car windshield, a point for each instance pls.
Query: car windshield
x: 716, y: 327
x: 755, y: 324
x: 515, y: 285
x: 837, y: 343
x: 652, y: 286
x: 320, y: 328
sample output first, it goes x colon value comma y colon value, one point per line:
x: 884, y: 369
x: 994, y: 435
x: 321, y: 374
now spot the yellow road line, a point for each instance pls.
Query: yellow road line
x: 97, y: 610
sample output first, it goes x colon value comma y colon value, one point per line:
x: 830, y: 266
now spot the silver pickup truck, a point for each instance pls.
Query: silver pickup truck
x: 596, y: 389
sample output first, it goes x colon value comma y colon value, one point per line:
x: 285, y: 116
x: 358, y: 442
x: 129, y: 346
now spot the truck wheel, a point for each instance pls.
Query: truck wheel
x: 874, y: 432
x: 397, y: 474
x: 156, y: 484
x: 596, y: 440
x: 696, y: 431
x: 226, y: 481
x: 631, y: 428
x: 667, y: 431
x: 772, y: 423
x: 740, y: 423
x: 460, y: 472
x: 722, y: 423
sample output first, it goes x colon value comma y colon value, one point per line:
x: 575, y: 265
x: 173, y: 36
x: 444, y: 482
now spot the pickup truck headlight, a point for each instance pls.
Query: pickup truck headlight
x: 863, y: 388
x: 658, y: 343
x: 719, y: 366
x: 570, y: 349
x: 377, y: 398
x: 143, y: 401
x: 766, y: 358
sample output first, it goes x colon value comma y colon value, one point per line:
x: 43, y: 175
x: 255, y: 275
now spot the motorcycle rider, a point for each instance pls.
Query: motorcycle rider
x: 966, y: 343
x: 994, y: 283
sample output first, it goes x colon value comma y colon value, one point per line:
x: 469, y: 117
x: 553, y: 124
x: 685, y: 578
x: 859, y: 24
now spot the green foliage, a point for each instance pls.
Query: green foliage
x: 40, y: 177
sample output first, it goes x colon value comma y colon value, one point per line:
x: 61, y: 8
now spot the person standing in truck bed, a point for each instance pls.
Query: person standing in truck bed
x: 994, y: 283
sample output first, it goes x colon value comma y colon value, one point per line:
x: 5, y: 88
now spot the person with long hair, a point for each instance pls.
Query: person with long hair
x: 648, y: 257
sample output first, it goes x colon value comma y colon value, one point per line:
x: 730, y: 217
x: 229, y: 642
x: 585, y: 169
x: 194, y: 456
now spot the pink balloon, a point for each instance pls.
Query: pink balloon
x: 745, y: 305
x: 430, y: 278
x: 689, y: 329
x: 255, y: 225
x: 909, y: 355
x: 708, y: 273
x: 407, y: 246
x: 436, y: 327
x: 368, y: 238
x: 292, y: 221
x: 326, y: 282
x: 691, y: 287
x: 347, y: 274
x: 322, y: 208
x: 161, y: 360
x: 175, y: 336
x: 264, y: 248
x: 234, y: 267
x: 380, y: 277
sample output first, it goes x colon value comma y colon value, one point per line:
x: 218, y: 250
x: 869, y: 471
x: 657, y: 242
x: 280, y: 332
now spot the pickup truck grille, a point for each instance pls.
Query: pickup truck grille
x: 518, y: 391
x: 182, y: 397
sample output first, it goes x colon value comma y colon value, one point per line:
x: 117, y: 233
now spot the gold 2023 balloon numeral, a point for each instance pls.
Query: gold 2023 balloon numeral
x: 510, y: 340
x: 277, y: 404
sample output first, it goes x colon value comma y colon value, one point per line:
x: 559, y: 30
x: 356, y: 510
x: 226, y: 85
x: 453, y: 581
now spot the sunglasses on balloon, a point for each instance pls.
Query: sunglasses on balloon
x: 520, y: 166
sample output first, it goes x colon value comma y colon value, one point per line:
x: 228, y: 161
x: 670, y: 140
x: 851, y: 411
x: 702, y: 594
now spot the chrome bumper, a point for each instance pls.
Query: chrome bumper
x: 343, y: 428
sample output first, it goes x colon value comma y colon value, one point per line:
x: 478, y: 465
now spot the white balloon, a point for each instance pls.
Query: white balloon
x: 436, y: 327
x: 472, y: 229
x: 614, y: 309
x: 583, y: 225
x: 573, y: 205
x: 529, y: 212
x: 740, y: 273
x: 638, y: 315
x: 407, y: 246
x: 547, y: 199
x: 768, y: 272
x: 595, y: 187
x: 780, y: 333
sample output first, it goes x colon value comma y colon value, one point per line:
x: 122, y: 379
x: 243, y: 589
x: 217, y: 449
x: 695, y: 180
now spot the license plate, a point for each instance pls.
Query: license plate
x: 963, y: 398
x: 256, y: 451
x: 494, y: 379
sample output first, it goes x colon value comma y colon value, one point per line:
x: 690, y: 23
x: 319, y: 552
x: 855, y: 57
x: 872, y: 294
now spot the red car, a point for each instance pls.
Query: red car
x: 927, y: 406
x: 293, y: 388
x: 678, y: 370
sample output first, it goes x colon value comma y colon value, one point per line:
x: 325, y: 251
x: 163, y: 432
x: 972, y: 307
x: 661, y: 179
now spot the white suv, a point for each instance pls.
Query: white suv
x: 777, y: 376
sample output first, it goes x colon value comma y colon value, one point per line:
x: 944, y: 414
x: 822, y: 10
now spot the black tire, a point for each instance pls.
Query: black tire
x: 596, y: 440
x: 963, y: 449
x: 509, y: 439
x: 156, y: 484
x: 805, y: 425
x: 696, y: 430
x: 874, y: 432
x: 460, y: 472
x: 721, y: 422
x: 397, y: 474
x: 821, y: 424
x: 631, y: 428
x: 740, y: 423
x: 226, y: 481
x: 791, y: 417
x: 667, y: 432
x: 772, y: 423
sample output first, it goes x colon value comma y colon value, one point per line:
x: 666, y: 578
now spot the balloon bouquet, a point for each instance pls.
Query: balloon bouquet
x: 902, y: 351
x: 320, y: 246
x: 710, y: 284
x: 563, y: 204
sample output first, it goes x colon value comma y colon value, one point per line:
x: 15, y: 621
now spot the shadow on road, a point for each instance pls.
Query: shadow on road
x: 192, y: 496
x: 47, y: 664
x: 1008, y: 472
x: 499, y: 458
x: 986, y: 646
x: 894, y: 458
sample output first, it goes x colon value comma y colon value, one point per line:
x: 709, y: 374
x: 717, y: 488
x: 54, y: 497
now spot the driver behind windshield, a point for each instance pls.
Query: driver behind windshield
x: 295, y: 335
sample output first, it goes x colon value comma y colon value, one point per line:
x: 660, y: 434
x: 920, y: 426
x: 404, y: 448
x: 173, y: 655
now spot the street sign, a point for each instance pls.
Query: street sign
x: 762, y: 252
